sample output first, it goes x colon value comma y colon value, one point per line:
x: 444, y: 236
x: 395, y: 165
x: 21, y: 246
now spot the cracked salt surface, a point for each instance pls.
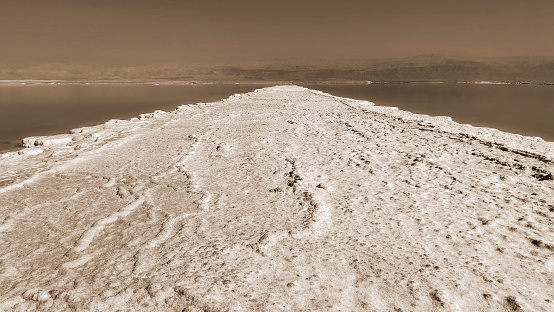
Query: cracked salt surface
x: 282, y: 199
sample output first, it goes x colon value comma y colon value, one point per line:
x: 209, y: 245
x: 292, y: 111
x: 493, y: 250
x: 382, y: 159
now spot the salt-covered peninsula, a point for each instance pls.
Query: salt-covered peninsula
x: 282, y: 199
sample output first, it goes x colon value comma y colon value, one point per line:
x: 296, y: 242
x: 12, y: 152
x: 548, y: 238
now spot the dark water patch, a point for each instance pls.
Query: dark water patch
x: 523, y: 109
x: 50, y: 109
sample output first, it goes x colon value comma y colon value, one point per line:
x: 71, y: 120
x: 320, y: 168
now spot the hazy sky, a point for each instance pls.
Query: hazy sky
x: 138, y: 32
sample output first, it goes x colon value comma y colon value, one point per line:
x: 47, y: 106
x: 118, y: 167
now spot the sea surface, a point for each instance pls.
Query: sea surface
x: 31, y: 110
x: 522, y: 109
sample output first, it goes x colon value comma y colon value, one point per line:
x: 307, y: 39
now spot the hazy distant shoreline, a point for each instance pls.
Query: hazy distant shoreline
x: 421, y: 68
x: 32, y: 82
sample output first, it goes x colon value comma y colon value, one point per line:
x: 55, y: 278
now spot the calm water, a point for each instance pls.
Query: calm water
x: 50, y: 109
x: 523, y: 109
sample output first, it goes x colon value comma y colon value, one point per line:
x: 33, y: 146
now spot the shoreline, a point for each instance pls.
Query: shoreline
x: 481, y: 130
x: 284, y: 198
x: 74, y: 105
x: 32, y: 82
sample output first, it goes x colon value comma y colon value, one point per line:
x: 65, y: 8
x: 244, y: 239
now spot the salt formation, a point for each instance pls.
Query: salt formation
x: 282, y: 199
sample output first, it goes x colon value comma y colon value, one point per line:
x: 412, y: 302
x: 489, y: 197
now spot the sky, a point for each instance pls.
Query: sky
x: 140, y: 32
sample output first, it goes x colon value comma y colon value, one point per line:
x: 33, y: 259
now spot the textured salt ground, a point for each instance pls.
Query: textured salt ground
x: 283, y: 199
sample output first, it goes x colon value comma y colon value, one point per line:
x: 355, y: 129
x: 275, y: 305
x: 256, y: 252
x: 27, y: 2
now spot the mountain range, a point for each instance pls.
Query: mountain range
x: 428, y: 67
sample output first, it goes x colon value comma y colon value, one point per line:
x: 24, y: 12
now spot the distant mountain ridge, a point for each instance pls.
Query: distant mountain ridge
x: 429, y: 67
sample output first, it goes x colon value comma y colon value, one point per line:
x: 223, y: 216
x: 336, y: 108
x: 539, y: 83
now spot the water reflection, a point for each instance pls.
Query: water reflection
x: 523, y: 109
x: 49, y: 109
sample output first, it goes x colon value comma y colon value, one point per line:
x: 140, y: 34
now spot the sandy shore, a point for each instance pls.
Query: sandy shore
x: 283, y: 199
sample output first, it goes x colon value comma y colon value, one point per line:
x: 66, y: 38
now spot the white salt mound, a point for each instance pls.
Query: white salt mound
x: 281, y: 199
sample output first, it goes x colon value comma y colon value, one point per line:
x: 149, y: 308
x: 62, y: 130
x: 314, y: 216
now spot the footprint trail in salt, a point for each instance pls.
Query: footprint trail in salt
x: 282, y: 199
